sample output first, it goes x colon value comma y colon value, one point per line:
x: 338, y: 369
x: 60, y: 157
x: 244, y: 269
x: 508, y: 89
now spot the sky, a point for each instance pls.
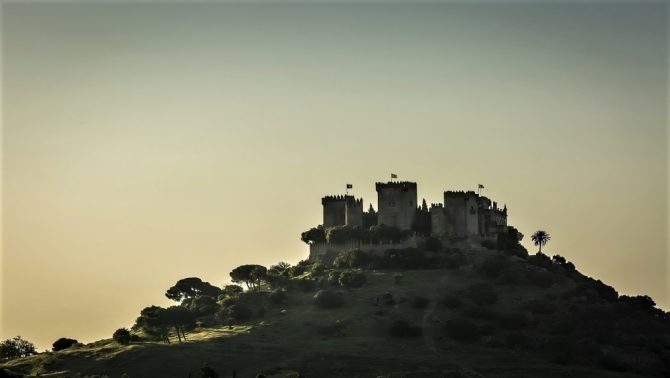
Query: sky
x: 145, y: 143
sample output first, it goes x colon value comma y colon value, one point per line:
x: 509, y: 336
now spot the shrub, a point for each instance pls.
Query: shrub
x: 294, y: 375
x: 334, y: 278
x: 317, y: 269
x: 509, y: 277
x: 419, y: 303
x: 489, y: 244
x: 121, y: 336
x: 455, y: 261
x: 328, y: 299
x: 479, y: 312
x: 561, y: 349
x: 397, y: 278
x: 306, y: 284
x: 513, y: 321
x: 461, y: 329
x: 387, y: 299
x: 227, y: 302
x: 539, y: 306
x: 400, y: 328
x: 543, y: 279
x: 540, y: 259
x: 277, y: 296
x: 352, y: 279
x: 203, y: 305
x: 240, y: 312
x: 63, y: 343
x: 207, y: 372
x: 433, y: 244
x: 352, y: 258
x: 297, y: 270
x: 485, y: 298
x: 452, y: 301
x: 492, y: 266
x: 331, y: 330
x: 515, y: 339
x: 487, y: 329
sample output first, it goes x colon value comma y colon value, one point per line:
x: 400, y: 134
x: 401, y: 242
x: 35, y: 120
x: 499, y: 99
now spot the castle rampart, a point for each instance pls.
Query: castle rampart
x: 397, y: 203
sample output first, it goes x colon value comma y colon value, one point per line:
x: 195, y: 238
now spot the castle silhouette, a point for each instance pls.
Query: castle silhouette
x: 463, y: 214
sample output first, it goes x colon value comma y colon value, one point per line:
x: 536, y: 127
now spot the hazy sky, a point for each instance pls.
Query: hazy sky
x: 148, y: 143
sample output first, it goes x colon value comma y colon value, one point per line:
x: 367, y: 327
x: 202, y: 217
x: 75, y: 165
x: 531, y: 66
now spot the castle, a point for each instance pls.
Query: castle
x: 462, y: 214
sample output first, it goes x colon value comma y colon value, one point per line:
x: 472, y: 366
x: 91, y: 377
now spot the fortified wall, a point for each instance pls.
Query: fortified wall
x: 463, y: 213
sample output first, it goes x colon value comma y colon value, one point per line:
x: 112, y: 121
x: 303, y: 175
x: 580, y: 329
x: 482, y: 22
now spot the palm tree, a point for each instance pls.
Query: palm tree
x: 540, y: 238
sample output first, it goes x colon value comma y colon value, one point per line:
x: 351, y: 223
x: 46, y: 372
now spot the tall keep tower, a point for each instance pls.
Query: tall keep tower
x: 397, y: 205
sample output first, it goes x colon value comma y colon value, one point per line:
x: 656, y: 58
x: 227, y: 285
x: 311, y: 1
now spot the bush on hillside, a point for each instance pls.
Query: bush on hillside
x: 240, y: 312
x: 227, y: 302
x: 122, y: 336
x: 513, y: 321
x: 419, y: 303
x: 306, y: 284
x: 407, y: 258
x: 433, y: 244
x: 489, y: 244
x: 461, y: 329
x: 397, y: 278
x: 401, y: 328
x: 207, y: 372
x: 539, y: 306
x: 452, y: 301
x: 510, y: 277
x: 63, y: 343
x: 203, y: 305
x: 540, y: 259
x: 297, y: 270
x: 485, y: 297
x: 479, y: 312
x: 277, y: 296
x: 352, y: 258
x: 542, y: 279
x: 561, y: 349
x: 334, y: 277
x: 455, y: 261
x: 317, y: 269
x: 328, y: 299
x: 352, y: 279
x: 493, y: 266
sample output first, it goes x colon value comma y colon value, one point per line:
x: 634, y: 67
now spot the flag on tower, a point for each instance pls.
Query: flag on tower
x: 393, y: 175
x: 349, y: 186
x: 481, y: 186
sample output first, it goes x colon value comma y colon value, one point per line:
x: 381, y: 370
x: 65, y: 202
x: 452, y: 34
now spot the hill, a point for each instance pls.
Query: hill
x: 488, y: 314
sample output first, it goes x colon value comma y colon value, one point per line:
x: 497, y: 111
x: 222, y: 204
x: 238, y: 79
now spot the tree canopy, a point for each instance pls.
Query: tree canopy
x: 540, y: 238
x: 251, y: 275
x: 16, y: 347
x: 191, y: 288
x: 313, y: 235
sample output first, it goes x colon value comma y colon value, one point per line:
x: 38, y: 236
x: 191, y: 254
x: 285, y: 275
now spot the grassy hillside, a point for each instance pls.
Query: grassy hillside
x: 355, y: 340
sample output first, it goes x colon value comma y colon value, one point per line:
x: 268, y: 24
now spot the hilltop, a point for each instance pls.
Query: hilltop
x: 464, y: 311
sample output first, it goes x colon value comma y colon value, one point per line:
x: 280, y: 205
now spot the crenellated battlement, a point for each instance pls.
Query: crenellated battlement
x: 395, y: 185
x: 436, y: 205
x: 353, y: 202
x: 336, y: 198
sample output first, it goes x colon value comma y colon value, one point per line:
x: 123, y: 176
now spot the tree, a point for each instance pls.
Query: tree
x: 250, y: 275
x: 121, y: 336
x: 191, y: 288
x: 16, y: 348
x: 280, y: 267
x: 179, y: 318
x: 313, y: 235
x: 152, y: 323
x: 63, y: 343
x: 352, y: 258
x: 207, y: 372
x: 540, y: 238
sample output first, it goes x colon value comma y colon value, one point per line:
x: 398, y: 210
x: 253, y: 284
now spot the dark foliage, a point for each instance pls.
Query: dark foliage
x: 611, y: 361
x: 331, y: 329
x: 341, y: 234
x: 121, y: 336
x: 433, y: 244
x: 489, y: 244
x: 455, y: 260
x: 203, y: 305
x: 488, y: 329
x: 484, y: 297
x: 352, y: 258
x: 277, y: 296
x: 480, y: 312
x: 461, y: 329
x: 240, y: 312
x: 334, y: 277
x: 561, y: 349
x: 314, y: 235
x: 63, y: 343
x: 510, y: 243
x: 513, y: 321
x: 294, y: 375
x: 542, y: 278
x: 515, y: 339
x: 452, y: 301
x: 401, y: 328
x: 386, y: 234
x: 539, y: 306
x: 207, y: 372
x: 419, y: 303
x: 493, y: 266
x: 229, y: 301
x: 251, y: 275
x: 328, y: 299
x: 540, y: 259
x: 306, y: 284
x: 16, y: 348
x: 191, y: 288
x: 352, y: 279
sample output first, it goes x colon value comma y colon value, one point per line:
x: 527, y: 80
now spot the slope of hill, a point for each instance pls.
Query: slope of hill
x: 477, y: 320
